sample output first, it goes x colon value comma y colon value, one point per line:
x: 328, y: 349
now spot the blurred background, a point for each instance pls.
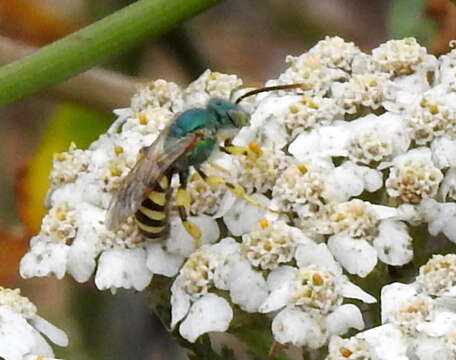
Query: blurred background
x: 249, y: 38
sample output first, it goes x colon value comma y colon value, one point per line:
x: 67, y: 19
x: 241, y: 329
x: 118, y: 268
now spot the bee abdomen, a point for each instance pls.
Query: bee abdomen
x: 152, y: 215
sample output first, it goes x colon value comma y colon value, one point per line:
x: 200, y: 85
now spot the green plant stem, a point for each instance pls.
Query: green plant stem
x: 92, y: 44
x: 87, y: 88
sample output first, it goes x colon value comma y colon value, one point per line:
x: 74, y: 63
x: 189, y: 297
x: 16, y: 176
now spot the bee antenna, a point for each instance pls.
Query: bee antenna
x: 270, y: 88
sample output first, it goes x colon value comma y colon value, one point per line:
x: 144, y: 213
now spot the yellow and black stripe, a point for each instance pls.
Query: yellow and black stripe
x: 152, y: 215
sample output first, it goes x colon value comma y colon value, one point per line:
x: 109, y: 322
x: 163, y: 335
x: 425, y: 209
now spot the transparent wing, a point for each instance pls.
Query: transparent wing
x: 152, y: 165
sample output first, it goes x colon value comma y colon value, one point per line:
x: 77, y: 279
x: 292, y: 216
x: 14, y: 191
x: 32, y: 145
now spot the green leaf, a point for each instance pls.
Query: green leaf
x: 407, y: 18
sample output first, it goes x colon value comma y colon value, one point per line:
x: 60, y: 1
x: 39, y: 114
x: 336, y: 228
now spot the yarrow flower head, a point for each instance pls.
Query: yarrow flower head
x: 269, y: 245
x: 418, y: 318
x: 311, y: 298
x: 286, y: 191
x: 22, y: 329
x: 437, y: 276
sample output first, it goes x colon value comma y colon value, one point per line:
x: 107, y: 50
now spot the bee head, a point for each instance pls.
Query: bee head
x: 228, y: 113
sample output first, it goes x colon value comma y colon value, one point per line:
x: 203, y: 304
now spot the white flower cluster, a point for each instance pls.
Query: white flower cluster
x: 338, y: 170
x: 419, y: 320
x: 22, y: 330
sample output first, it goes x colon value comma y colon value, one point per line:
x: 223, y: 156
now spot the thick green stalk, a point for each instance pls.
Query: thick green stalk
x: 92, y: 44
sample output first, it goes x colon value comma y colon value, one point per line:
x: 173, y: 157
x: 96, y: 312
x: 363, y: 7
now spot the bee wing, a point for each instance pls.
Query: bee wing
x: 153, y: 164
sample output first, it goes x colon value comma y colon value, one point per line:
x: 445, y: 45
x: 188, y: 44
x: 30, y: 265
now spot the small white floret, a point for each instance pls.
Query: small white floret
x: 122, y: 268
x: 161, y: 262
x: 210, y: 313
x: 357, y: 256
x: 295, y: 327
x: 247, y: 286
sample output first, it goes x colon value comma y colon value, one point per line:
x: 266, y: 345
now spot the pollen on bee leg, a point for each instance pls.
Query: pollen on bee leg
x: 218, y: 167
x: 183, y: 199
x: 240, y: 192
x: 191, y: 228
x: 194, y: 231
x: 236, y: 189
x: 214, y: 180
x: 235, y: 150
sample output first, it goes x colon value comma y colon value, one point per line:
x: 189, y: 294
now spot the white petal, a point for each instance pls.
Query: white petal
x: 443, y: 323
x: 393, y: 296
x: 281, y: 275
x: 69, y: 192
x: 122, y: 268
x: 449, y: 183
x: 342, y: 319
x: 326, y: 141
x: 410, y: 214
x: 387, y: 342
x: 226, y: 247
x: 81, y: 260
x: 442, y: 150
x: 298, y: 328
x: 227, y: 202
x: 305, y: 145
x: 181, y: 243
x: 162, y: 262
x: 227, y: 253
x: 352, y: 291
x: 248, y: 288
x: 371, y: 178
x: 209, y: 313
x: 450, y: 230
x: 317, y: 254
x: 357, y: 256
x: 180, y: 303
x: 440, y: 217
x: 279, y: 283
x: 384, y: 212
x: 19, y: 338
x: 266, y: 124
x: 85, y: 247
x: 44, y: 259
x: 346, y: 182
x: 426, y: 348
x: 393, y: 243
x: 57, y: 336
x: 243, y: 215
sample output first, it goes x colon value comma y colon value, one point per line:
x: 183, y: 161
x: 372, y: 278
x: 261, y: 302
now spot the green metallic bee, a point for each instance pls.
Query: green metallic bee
x: 188, y: 141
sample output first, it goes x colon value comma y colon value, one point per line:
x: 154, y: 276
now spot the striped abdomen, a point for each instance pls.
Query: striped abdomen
x: 152, y: 215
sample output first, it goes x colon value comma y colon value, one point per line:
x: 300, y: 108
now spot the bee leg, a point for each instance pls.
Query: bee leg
x: 237, y: 190
x: 252, y: 150
x: 183, y: 208
x: 234, y: 149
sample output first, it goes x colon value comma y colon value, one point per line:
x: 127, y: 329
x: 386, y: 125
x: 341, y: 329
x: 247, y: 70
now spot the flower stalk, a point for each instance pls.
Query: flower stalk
x: 91, y: 45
